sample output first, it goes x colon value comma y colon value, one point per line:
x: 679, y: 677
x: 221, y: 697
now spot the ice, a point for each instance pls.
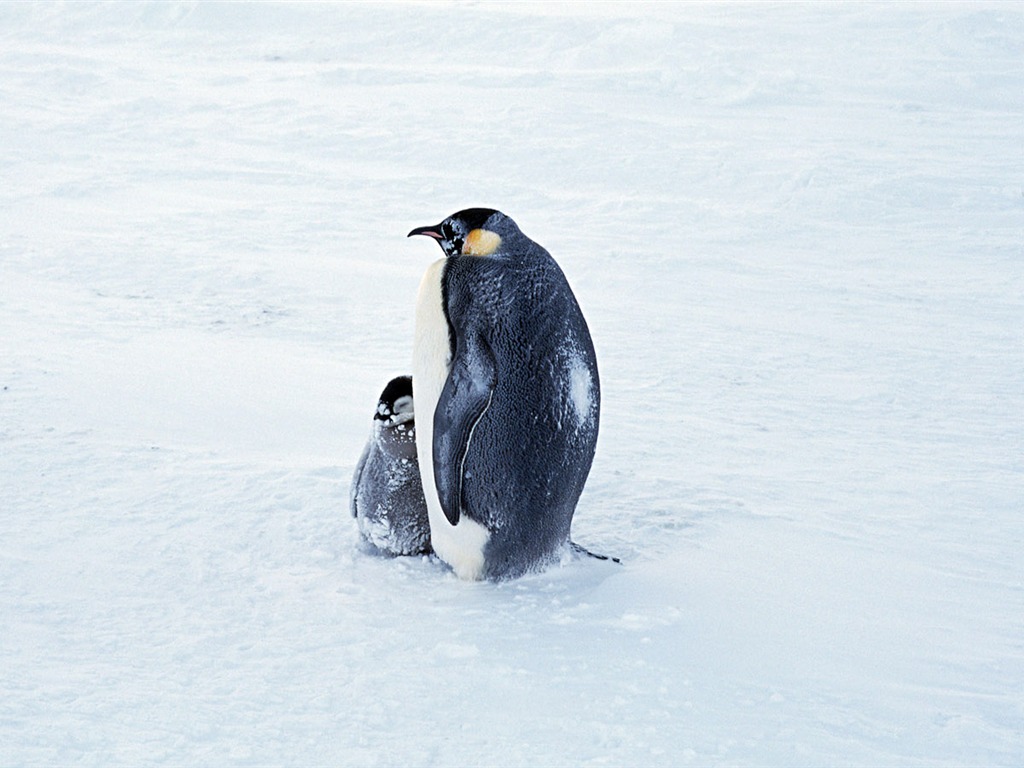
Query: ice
x: 795, y: 232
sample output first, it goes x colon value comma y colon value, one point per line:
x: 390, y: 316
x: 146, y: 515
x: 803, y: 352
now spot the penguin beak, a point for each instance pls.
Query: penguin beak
x: 428, y: 231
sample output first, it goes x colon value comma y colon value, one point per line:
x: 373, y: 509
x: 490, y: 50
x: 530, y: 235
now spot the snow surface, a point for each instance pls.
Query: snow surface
x: 796, y: 233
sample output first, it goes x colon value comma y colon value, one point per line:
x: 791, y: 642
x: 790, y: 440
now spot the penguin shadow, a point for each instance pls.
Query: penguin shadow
x: 386, y: 496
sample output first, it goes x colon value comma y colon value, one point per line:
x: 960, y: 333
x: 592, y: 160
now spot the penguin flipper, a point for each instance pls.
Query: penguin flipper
x: 463, y: 402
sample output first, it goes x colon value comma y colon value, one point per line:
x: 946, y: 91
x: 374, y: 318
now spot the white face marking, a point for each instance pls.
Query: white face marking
x: 403, y: 405
x: 402, y: 411
x: 462, y: 545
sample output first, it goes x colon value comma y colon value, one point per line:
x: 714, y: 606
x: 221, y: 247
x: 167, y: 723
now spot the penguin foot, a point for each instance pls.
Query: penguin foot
x: 584, y: 551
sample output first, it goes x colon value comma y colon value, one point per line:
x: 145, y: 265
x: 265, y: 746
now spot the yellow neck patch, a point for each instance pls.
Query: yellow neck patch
x: 481, y: 242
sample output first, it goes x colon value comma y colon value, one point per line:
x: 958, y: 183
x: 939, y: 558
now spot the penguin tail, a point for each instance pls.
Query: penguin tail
x: 584, y: 551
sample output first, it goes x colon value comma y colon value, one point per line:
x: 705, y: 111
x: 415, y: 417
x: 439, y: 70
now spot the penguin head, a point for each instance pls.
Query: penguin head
x: 396, y: 404
x: 467, y: 233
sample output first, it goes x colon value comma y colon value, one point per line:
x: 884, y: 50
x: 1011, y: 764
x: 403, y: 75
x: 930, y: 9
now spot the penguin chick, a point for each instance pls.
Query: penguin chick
x: 386, y: 497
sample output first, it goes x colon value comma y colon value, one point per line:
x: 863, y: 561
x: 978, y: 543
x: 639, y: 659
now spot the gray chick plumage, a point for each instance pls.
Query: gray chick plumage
x: 386, y: 496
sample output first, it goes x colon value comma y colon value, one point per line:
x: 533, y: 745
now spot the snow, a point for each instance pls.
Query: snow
x: 580, y: 391
x: 795, y: 232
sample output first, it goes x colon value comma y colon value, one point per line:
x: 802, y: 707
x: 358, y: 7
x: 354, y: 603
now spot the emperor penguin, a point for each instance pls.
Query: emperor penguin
x: 507, y: 396
x: 386, y: 496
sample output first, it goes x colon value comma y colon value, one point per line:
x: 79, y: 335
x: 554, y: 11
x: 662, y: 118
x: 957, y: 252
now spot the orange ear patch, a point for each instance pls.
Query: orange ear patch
x: 481, y: 242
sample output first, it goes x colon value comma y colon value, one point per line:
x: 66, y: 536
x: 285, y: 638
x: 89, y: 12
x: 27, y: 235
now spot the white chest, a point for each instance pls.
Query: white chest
x: 462, y: 545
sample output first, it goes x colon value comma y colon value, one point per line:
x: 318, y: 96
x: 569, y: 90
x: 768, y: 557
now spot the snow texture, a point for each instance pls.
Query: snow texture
x: 796, y: 233
x: 581, y: 389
